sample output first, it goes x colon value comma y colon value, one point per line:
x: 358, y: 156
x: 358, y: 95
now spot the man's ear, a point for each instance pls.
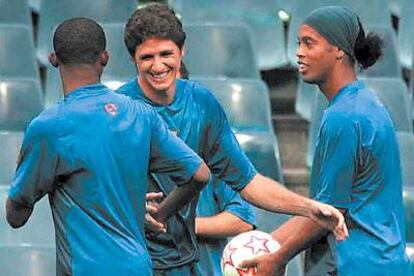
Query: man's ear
x: 340, y: 53
x: 104, y: 58
x: 53, y: 59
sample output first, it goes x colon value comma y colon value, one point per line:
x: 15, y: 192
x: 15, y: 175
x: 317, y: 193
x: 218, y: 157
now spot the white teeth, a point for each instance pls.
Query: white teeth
x: 160, y: 76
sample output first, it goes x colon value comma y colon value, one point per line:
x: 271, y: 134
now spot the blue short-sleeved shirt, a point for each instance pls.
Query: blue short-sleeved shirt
x: 215, y: 198
x: 357, y: 168
x: 199, y: 120
x: 91, y: 152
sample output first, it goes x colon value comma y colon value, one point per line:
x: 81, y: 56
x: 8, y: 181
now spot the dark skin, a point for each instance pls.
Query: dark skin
x: 328, y: 67
x: 74, y: 76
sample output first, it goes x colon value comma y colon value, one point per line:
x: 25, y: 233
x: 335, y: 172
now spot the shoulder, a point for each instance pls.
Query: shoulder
x: 200, y: 94
x: 44, y: 125
x: 128, y: 89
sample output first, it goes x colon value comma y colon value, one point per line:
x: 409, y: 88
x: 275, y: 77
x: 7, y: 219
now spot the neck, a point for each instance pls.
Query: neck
x: 162, y: 97
x: 336, y: 80
x: 77, y: 76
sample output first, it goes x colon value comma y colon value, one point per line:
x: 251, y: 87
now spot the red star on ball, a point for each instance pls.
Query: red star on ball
x: 257, y: 245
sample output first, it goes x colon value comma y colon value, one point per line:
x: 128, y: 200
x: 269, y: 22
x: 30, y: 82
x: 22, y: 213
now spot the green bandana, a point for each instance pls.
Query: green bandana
x: 336, y: 24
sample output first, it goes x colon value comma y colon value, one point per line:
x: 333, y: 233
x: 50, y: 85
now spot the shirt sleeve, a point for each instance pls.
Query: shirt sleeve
x: 229, y: 200
x: 171, y: 155
x: 35, y: 173
x: 335, y: 161
x: 224, y: 156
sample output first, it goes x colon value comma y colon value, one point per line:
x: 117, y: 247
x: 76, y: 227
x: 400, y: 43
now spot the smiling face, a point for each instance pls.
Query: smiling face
x: 316, y: 57
x: 158, y: 62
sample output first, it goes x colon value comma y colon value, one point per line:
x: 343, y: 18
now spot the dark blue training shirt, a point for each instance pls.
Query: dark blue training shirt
x: 199, y: 120
x: 357, y: 168
x: 91, y: 153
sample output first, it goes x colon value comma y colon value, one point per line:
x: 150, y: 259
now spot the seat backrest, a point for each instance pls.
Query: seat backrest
x: 20, y: 101
x: 55, y: 12
x: 10, y: 143
x: 15, y: 12
x: 246, y: 102
x: 216, y: 50
x: 17, y: 53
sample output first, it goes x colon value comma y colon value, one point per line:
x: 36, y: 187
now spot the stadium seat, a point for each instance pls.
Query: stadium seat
x: 406, y: 145
x: 262, y: 149
x: 15, y: 12
x: 405, y: 34
x: 54, y: 12
x: 17, y: 54
x: 20, y: 101
x: 304, y: 99
x: 38, y: 231
x: 10, y: 143
x: 371, y: 13
x: 410, y: 253
x: 389, y: 64
x: 221, y: 51
x: 260, y: 16
x: 27, y: 260
x: 238, y: 97
x: 392, y: 93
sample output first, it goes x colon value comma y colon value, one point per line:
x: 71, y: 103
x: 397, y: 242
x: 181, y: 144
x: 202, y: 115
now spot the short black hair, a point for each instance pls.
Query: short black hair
x: 153, y: 20
x: 79, y: 40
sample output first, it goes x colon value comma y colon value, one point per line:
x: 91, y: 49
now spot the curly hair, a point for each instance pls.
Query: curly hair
x: 153, y: 20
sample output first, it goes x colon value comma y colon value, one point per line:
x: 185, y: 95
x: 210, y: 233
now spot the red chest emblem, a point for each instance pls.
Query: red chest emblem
x: 111, y: 109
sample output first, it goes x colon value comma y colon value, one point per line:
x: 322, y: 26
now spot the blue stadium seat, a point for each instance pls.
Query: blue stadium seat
x: 405, y: 34
x: 406, y: 145
x: 305, y: 96
x: 15, y: 12
x: 410, y: 253
x: 17, y: 53
x: 20, y: 101
x: 262, y: 149
x: 27, y: 260
x: 371, y: 13
x: 239, y: 97
x: 54, y: 12
x: 260, y: 16
x: 10, y: 143
x: 221, y: 51
x: 392, y: 93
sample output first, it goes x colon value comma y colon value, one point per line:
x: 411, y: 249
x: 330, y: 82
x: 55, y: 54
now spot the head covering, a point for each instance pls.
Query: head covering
x: 336, y: 24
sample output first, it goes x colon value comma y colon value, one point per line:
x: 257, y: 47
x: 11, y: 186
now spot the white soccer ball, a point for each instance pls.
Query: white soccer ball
x: 246, y: 246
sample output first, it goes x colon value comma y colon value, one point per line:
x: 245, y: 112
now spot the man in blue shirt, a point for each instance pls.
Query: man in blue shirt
x: 155, y: 38
x: 91, y: 153
x: 356, y: 165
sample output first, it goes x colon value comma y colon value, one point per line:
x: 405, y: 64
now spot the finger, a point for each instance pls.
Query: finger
x: 248, y: 263
x: 151, y: 209
x: 154, y: 195
x: 154, y: 225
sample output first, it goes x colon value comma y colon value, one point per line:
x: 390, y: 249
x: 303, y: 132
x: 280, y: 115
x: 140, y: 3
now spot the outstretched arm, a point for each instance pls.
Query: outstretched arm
x: 17, y: 214
x: 272, y: 196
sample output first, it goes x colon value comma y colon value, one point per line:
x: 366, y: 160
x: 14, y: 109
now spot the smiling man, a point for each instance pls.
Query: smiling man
x: 155, y: 39
x: 356, y: 165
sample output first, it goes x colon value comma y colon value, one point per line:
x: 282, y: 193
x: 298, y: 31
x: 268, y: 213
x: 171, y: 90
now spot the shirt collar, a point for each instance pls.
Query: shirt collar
x: 91, y: 88
x: 355, y: 85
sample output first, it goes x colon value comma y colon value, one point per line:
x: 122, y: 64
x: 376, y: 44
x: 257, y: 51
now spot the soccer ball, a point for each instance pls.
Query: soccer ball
x: 243, y: 247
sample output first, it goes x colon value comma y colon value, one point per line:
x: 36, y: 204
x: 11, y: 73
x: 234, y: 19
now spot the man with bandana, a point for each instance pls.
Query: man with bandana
x: 356, y: 166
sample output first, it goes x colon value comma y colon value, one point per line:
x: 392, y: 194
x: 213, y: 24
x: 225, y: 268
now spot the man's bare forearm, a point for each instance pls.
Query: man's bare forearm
x: 220, y: 226
x: 270, y: 195
x: 182, y: 195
